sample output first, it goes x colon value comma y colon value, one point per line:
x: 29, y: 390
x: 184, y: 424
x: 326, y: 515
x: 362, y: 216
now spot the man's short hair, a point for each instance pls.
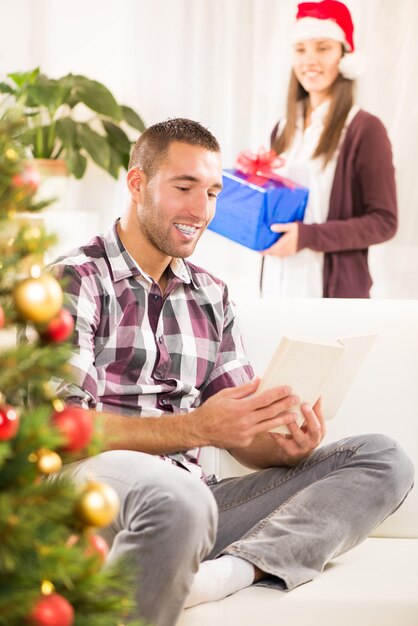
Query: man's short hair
x: 152, y: 146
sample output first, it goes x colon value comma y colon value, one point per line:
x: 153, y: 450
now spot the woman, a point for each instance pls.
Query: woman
x: 342, y: 154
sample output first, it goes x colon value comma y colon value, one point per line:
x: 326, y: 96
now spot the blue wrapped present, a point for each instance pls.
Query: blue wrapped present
x: 245, y: 209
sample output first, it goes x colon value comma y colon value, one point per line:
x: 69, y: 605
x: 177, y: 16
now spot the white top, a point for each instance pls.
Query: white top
x: 301, y: 275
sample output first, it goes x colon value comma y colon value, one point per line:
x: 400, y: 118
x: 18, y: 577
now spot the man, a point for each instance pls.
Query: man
x: 160, y: 358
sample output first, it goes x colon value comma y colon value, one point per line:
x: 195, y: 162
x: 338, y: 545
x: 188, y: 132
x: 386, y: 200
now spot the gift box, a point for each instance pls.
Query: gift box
x: 251, y: 202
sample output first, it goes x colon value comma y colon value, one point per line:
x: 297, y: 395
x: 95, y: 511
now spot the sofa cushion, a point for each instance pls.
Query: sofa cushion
x: 372, y: 585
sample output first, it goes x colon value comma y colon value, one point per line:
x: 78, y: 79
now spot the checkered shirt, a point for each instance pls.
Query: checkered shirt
x: 140, y: 353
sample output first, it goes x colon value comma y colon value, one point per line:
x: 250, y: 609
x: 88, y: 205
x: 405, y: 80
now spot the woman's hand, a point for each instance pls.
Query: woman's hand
x: 288, y: 242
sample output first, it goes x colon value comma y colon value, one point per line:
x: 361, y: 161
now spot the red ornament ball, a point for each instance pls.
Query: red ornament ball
x: 59, y: 328
x: 28, y: 179
x: 53, y: 610
x: 76, y: 424
x: 98, y: 547
x: 2, y: 317
x: 9, y: 422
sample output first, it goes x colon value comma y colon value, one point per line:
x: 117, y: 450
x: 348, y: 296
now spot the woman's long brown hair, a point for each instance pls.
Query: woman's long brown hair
x: 342, y: 98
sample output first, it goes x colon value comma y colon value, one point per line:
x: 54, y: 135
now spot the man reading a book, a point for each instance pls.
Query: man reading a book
x: 159, y: 359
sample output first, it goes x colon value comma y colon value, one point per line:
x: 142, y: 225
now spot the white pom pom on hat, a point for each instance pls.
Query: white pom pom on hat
x: 352, y: 65
x: 330, y: 19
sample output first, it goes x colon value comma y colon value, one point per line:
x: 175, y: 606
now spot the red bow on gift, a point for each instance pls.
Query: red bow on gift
x: 259, y: 166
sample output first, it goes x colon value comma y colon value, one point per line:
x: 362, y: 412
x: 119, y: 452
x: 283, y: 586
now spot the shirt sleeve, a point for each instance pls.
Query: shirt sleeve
x: 83, y: 300
x: 369, y: 204
x: 232, y: 367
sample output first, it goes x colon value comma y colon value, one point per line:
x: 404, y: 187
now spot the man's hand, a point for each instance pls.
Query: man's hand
x: 288, y: 242
x: 302, y: 440
x: 272, y: 449
x: 233, y: 417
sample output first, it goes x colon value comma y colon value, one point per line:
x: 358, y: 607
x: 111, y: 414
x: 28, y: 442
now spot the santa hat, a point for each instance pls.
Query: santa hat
x: 329, y: 19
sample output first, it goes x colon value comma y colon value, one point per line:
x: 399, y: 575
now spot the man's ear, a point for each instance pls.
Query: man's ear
x: 136, y: 180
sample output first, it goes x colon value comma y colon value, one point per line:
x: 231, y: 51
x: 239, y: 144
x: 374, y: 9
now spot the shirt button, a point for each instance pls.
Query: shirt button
x: 160, y: 339
x: 155, y: 296
x: 164, y: 401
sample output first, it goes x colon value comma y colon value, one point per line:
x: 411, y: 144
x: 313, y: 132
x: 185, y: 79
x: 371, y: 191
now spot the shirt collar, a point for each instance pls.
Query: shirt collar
x: 182, y: 270
x: 124, y: 266
x: 317, y: 115
x: 321, y: 111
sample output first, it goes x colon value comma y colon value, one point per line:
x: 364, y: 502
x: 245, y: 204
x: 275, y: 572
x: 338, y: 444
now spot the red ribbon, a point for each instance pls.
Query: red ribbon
x: 259, y: 167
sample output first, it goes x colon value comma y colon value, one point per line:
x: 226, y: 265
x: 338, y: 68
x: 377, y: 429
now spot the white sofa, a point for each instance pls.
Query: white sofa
x: 375, y: 584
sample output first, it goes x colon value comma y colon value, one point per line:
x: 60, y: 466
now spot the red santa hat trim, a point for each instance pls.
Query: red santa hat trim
x: 329, y: 19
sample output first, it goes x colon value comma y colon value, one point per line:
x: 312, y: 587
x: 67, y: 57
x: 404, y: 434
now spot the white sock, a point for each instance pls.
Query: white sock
x: 219, y: 578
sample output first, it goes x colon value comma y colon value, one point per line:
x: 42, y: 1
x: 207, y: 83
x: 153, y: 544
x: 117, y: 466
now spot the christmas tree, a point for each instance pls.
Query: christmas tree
x: 51, y: 554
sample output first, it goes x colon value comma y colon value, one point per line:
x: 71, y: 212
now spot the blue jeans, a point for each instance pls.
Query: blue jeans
x: 288, y: 521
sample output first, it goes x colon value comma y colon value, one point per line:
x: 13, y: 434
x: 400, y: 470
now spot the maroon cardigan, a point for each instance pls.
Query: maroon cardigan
x: 362, y: 209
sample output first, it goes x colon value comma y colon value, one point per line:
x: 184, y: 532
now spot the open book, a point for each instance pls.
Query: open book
x: 315, y: 369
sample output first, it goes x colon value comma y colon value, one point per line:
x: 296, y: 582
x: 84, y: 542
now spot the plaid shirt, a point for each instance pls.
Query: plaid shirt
x: 140, y: 353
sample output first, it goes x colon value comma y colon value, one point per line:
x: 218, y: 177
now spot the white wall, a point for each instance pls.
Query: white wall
x: 226, y: 64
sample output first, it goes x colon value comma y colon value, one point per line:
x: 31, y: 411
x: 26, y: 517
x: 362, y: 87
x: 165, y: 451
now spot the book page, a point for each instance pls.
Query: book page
x: 303, y: 365
x: 344, y: 372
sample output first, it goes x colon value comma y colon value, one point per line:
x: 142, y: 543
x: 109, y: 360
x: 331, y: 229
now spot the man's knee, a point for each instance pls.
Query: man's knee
x: 400, y: 468
x: 158, y: 500
x: 187, y: 504
x: 157, y: 493
x: 388, y: 457
x: 178, y: 515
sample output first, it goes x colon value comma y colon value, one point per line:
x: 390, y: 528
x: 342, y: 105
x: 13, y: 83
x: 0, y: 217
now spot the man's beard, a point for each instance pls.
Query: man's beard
x: 156, y: 233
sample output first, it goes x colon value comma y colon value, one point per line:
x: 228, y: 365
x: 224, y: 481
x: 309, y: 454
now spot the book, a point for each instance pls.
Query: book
x: 316, y: 369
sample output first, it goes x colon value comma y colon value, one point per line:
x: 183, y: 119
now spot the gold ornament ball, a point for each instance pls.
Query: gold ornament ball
x: 47, y: 587
x: 97, y: 505
x: 38, y: 299
x: 49, y: 462
x: 11, y: 154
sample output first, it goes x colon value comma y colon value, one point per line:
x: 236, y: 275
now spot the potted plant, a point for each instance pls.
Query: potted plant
x: 72, y: 118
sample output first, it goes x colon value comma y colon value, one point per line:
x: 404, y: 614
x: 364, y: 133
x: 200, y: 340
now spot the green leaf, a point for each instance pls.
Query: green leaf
x: 49, y: 94
x: 5, y: 453
x: 117, y: 138
x: 97, y: 97
x: 68, y: 82
x: 125, y: 160
x: 27, y: 138
x: 115, y: 163
x: 66, y: 130
x: 76, y: 162
x: 4, y: 88
x: 132, y: 118
x: 72, y: 100
x: 95, y: 145
x: 23, y: 78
